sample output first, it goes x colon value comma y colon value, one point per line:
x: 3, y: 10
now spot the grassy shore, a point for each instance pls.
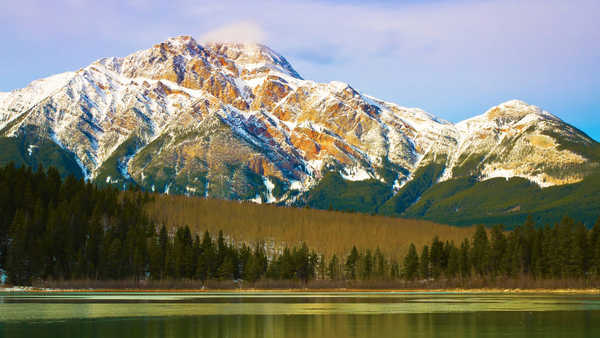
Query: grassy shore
x: 308, y: 290
x: 475, y: 285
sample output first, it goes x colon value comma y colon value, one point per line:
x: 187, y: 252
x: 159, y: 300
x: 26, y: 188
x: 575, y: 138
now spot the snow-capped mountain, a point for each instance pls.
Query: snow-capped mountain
x: 237, y: 121
x: 515, y: 139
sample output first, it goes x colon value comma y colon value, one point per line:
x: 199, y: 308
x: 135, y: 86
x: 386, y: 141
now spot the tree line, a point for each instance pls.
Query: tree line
x: 55, y: 229
x: 567, y: 250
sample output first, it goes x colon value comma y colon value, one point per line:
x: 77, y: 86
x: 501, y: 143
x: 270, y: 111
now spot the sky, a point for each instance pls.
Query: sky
x: 452, y: 58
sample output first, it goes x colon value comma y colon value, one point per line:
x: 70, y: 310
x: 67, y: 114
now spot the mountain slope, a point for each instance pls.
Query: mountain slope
x: 236, y: 121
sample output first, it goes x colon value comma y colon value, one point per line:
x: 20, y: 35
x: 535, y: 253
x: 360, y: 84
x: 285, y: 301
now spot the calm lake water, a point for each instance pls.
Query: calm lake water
x: 312, y: 315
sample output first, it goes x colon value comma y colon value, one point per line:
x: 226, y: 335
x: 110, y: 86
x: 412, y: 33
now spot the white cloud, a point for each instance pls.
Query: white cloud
x: 238, y: 32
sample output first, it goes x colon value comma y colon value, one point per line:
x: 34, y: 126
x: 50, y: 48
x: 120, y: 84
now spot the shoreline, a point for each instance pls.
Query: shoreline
x: 311, y: 290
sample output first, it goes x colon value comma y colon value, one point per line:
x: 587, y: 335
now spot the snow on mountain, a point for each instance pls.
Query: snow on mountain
x: 18, y: 101
x: 515, y: 139
x: 237, y: 121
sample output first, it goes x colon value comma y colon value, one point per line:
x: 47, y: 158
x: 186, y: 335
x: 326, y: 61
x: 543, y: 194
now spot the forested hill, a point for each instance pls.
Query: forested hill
x: 67, y: 228
x: 53, y: 229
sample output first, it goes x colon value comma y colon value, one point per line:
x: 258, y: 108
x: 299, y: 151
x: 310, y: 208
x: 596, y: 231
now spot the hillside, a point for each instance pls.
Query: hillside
x: 328, y: 232
x: 236, y: 121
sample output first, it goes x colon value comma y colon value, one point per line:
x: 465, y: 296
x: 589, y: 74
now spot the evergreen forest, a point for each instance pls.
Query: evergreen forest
x: 68, y: 229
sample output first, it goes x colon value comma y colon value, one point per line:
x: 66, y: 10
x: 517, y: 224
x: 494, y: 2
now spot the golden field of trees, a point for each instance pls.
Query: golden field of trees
x: 327, y: 232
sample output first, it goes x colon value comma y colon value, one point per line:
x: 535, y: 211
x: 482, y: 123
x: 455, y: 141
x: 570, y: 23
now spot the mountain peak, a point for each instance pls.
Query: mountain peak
x: 514, y: 110
x: 253, y: 55
x: 182, y: 40
x: 183, y: 44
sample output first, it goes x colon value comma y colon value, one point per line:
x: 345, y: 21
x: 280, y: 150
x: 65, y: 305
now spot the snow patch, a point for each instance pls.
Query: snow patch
x: 110, y: 180
x: 270, y: 186
x: 338, y: 86
x: 314, y: 166
x: 291, y: 125
x: 296, y: 185
x: 489, y: 173
x: 257, y: 199
x: 123, y: 166
x: 31, y: 148
x: 355, y: 174
x: 255, y: 82
x: 399, y: 182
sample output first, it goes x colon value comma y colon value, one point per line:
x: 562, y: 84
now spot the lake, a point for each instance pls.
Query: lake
x: 295, y: 314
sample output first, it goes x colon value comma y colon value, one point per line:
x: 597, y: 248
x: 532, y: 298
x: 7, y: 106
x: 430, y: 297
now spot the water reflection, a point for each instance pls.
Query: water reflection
x: 469, y: 324
x: 297, y: 315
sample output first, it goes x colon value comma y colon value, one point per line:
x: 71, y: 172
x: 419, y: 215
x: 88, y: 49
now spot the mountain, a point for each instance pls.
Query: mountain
x: 236, y: 121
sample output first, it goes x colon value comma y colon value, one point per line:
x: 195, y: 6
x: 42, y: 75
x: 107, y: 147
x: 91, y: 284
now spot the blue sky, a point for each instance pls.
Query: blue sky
x: 454, y: 59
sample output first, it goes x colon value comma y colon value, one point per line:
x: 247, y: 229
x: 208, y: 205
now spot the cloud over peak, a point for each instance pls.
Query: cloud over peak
x: 244, y: 31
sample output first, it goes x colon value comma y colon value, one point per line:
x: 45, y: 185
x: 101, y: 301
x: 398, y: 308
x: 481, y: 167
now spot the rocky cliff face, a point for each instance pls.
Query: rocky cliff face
x: 237, y: 121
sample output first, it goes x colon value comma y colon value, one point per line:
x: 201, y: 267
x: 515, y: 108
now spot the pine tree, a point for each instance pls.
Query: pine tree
x: 94, y: 245
x: 19, y: 260
x: 366, y: 265
x: 411, y: 263
x: 163, y: 245
x: 351, y: 263
x: 436, y: 257
x: 333, y: 270
x: 322, y: 267
x: 221, y: 249
x: 480, y: 251
x: 465, y: 259
x: 453, y: 262
x: 209, y: 258
x: 226, y: 269
x: 156, y: 259
x: 395, y: 269
x: 380, y: 264
x: 543, y: 263
x: 497, y: 250
x: 113, y: 259
x: 528, y: 245
x: 594, y: 243
x: 424, y: 264
x: 304, y: 269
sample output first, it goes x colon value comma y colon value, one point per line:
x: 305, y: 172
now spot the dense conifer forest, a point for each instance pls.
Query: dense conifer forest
x: 66, y: 229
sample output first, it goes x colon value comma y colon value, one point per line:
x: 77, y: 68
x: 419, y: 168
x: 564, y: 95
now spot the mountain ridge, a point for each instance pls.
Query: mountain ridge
x: 237, y: 121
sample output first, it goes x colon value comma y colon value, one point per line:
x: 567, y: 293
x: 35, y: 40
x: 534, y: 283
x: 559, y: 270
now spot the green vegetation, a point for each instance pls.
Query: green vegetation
x: 567, y: 250
x: 465, y: 201
x: 60, y: 230
x: 423, y: 179
x: 335, y: 193
x: 114, y: 166
x: 44, y: 152
x: 54, y: 229
x: 468, y: 165
x: 573, y: 143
